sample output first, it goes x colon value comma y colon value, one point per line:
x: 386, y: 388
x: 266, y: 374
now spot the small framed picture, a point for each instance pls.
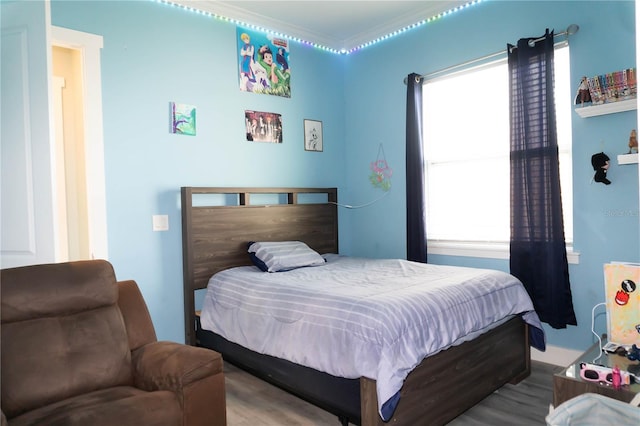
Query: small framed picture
x: 183, y: 119
x: 312, y: 135
x: 263, y: 126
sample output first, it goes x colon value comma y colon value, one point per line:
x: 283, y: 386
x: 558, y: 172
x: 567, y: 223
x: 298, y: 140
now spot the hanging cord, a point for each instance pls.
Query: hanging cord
x: 348, y: 206
x: 594, y: 332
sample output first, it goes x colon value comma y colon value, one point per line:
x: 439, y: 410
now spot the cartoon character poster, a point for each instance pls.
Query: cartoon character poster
x: 623, y: 302
x: 263, y: 62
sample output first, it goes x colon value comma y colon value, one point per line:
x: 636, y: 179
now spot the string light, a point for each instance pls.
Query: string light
x: 342, y: 51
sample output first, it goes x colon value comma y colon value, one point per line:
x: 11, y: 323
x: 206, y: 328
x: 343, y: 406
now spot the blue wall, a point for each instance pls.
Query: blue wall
x: 154, y: 54
x: 606, y: 225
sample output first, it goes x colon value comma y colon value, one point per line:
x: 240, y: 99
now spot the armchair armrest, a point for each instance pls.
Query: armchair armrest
x: 194, y: 374
x: 172, y: 366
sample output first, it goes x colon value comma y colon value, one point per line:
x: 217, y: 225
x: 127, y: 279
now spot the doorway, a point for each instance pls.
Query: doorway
x: 71, y: 191
x: 28, y: 211
x: 80, y: 200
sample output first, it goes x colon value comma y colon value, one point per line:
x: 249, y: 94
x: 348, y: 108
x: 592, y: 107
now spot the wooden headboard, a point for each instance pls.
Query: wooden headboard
x: 217, y: 224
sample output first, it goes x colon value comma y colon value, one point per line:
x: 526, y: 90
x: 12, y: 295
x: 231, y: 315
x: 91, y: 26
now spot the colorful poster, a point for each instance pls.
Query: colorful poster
x: 263, y: 126
x: 263, y: 63
x: 623, y: 302
x: 183, y: 119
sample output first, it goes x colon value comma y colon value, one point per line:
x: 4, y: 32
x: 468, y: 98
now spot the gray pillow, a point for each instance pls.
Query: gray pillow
x: 280, y: 256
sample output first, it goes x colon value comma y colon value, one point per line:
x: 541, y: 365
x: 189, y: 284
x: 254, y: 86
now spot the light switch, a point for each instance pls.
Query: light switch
x: 160, y: 222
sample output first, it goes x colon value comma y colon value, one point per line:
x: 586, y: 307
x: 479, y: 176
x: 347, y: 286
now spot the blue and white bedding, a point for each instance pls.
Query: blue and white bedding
x: 355, y: 317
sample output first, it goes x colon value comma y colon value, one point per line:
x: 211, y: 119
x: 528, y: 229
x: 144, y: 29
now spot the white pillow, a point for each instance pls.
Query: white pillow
x: 279, y: 256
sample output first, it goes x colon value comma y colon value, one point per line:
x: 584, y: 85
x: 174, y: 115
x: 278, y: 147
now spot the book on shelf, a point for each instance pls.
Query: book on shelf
x: 613, y: 87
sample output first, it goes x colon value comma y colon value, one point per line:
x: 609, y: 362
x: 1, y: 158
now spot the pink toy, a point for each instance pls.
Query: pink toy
x: 380, y: 176
x: 615, y: 377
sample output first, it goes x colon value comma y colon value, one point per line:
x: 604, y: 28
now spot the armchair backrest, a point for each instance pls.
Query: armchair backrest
x: 62, y: 333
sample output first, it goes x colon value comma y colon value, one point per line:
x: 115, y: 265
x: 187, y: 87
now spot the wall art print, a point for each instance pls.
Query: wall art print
x: 183, y: 119
x: 622, y: 295
x: 263, y: 126
x: 313, y: 135
x: 263, y: 63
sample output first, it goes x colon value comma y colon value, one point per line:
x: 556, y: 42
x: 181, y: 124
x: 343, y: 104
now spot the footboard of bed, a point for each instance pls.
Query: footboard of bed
x: 441, y: 388
x: 452, y: 381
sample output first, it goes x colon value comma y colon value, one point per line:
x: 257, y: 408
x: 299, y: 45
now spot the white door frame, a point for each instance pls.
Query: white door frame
x: 90, y: 46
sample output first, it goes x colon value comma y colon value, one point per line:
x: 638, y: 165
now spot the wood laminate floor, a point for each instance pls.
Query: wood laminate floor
x: 253, y: 402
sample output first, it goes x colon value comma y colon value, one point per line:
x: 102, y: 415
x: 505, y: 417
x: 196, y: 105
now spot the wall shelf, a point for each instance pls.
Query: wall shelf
x: 610, y: 108
x: 627, y: 159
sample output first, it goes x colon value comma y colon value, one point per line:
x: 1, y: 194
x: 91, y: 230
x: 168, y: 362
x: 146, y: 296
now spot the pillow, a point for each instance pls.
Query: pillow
x: 280, y: 256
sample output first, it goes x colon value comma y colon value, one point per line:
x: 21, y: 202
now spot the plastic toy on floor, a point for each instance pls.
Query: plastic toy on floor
x: 634, y: 353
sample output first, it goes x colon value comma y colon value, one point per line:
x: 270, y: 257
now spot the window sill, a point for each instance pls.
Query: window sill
x: 484, y: 250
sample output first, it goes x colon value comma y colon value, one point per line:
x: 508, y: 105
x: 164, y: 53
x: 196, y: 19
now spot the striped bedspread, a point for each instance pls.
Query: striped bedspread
x: 355, y: 317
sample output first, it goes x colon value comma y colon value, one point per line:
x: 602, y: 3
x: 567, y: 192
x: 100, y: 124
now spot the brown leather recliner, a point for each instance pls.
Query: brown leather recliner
x: 79, y: 348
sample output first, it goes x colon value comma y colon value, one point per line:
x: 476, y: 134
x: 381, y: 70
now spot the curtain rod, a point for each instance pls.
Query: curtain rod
x: 571, y: 29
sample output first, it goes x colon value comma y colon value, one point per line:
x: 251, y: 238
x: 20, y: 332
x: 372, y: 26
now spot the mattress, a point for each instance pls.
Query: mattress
x: 357, y: 317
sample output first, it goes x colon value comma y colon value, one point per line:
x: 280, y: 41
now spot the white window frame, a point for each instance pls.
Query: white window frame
x: 500, y: 249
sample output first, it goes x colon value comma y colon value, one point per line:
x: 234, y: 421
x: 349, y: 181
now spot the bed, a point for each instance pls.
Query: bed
x: 217, y: 225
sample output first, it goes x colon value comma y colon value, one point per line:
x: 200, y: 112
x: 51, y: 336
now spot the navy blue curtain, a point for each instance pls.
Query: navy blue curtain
x: 538, y: 255
x: 416, y: 228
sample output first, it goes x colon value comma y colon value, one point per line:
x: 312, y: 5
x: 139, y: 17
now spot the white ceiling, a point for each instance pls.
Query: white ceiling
x: 334, y: 24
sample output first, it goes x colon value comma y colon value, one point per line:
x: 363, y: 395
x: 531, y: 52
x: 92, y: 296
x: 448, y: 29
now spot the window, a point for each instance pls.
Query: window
x: 466, y: 137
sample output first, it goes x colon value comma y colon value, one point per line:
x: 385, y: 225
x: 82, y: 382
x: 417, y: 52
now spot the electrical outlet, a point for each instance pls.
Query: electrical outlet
x: 160, y: 222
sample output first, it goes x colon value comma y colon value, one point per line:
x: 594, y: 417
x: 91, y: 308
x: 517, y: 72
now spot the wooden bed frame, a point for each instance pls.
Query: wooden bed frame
x: 217, y: 223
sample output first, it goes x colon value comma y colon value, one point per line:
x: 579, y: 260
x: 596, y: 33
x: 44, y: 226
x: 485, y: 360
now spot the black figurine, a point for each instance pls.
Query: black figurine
x: 600, y: 163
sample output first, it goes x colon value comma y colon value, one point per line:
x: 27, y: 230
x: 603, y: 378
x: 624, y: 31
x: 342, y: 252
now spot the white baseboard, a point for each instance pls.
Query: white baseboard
x: 556, y: 355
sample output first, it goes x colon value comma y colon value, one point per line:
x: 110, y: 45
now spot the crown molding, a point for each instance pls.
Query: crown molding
x: 414, y: 12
